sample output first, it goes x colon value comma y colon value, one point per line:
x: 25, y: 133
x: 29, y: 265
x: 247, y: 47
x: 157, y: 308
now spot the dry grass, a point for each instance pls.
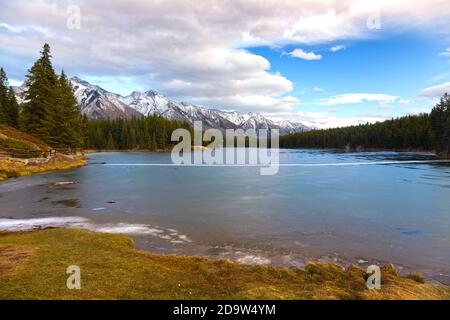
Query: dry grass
x: 112, y: 269
x: 11, y: 168
x: 12, y: 138
x: 12, y: 257
x: 14, y: 167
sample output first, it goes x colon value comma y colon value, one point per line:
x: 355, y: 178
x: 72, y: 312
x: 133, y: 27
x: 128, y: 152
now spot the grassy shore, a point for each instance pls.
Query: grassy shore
x: 33, y: 266
x: 11, y: 138
x: 13, y: 168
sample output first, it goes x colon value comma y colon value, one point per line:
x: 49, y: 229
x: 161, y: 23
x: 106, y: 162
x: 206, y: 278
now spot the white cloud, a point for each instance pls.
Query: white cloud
x: 318, y: 89
x: 440, y: 76
x: 436, y: 91
x: 301, y: 54
x: 14, y: 29
x: 15, y: 83
x: 445, y: 53
x: 247, y: 103
x: 337, y: 48
x: 196, y: 49
x: 354, y: 98
x: 328, y: 119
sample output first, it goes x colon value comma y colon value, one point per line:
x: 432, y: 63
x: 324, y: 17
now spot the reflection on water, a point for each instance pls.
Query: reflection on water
x: 353, y: 214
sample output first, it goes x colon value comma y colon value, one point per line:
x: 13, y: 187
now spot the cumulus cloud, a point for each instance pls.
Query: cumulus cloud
x: 190, y: 49
x: 354, y: 98
x: 301, y: 54
x: 436, y: 91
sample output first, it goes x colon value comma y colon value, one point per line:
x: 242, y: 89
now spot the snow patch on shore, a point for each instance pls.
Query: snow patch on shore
x: 251, y: 259
x: 15, y: 225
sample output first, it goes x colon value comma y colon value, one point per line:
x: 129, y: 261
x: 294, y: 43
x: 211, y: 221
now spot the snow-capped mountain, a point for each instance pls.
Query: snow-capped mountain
x: 98, y: 103
x: 153, y: 103
x: 94, y: 101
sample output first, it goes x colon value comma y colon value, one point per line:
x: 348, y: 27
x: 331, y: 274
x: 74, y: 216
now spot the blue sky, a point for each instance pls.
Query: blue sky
x: 400, y: 65
x: 272, y: 57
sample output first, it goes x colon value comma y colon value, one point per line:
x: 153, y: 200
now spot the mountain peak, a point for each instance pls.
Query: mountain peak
x: 98, y: 103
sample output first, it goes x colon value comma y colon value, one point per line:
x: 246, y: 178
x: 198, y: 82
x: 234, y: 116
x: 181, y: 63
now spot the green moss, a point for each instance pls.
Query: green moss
x: 112, y: 269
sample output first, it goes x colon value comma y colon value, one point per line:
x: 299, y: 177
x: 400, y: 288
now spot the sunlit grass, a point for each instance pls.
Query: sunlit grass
x: 33, y: 266
x: 14, y: 168
x: 12, y: 138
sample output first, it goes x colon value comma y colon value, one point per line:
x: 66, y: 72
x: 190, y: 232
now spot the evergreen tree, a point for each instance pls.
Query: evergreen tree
x: 131, y: 141
x: 71, y: 133
x: 9, y: 108
x: 440, y: 124
x: 51, y: 111
x: 41, y: 95
x: 2, y: 114
x: 64, y: 122
x: 84, y: 131
x: 153, y: 144
x: 12, y: 109
x: 3, y: 97
x: 110, y: 142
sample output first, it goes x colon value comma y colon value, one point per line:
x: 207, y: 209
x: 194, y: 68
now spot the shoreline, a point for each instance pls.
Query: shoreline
x: 169, y: 241
x: 25, y: 273
x: 439, y: 155
x: 18, y: 167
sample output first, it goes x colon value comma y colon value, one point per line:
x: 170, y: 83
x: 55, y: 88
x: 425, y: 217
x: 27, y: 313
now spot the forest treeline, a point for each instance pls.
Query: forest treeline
x: 418, y: 132
x: 150, y: 133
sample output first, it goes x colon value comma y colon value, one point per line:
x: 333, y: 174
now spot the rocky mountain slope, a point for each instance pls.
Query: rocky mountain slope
x: 98, y: 103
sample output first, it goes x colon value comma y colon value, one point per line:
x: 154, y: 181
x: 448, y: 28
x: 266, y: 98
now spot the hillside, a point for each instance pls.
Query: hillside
x: 11, y: 138
x: 22, y: 154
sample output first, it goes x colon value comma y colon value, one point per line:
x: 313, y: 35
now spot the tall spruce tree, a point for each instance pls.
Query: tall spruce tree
x: 3, y: 97
x: 65, y: 122
x: 41, y: 95
x: 51, y: 111
x: 440, y: 124
x: 2, y: 114
x: 12, y: 109
x: 9, y: 108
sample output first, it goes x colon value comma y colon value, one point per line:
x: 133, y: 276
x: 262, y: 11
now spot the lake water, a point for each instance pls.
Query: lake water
x: 368, y: 214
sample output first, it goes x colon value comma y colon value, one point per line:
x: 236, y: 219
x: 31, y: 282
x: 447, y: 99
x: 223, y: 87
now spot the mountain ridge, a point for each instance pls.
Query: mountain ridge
x: 98, y: 103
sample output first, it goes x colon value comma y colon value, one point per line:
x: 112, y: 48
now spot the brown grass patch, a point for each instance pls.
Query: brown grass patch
x: 11, y: 257
x: 12, y: 138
